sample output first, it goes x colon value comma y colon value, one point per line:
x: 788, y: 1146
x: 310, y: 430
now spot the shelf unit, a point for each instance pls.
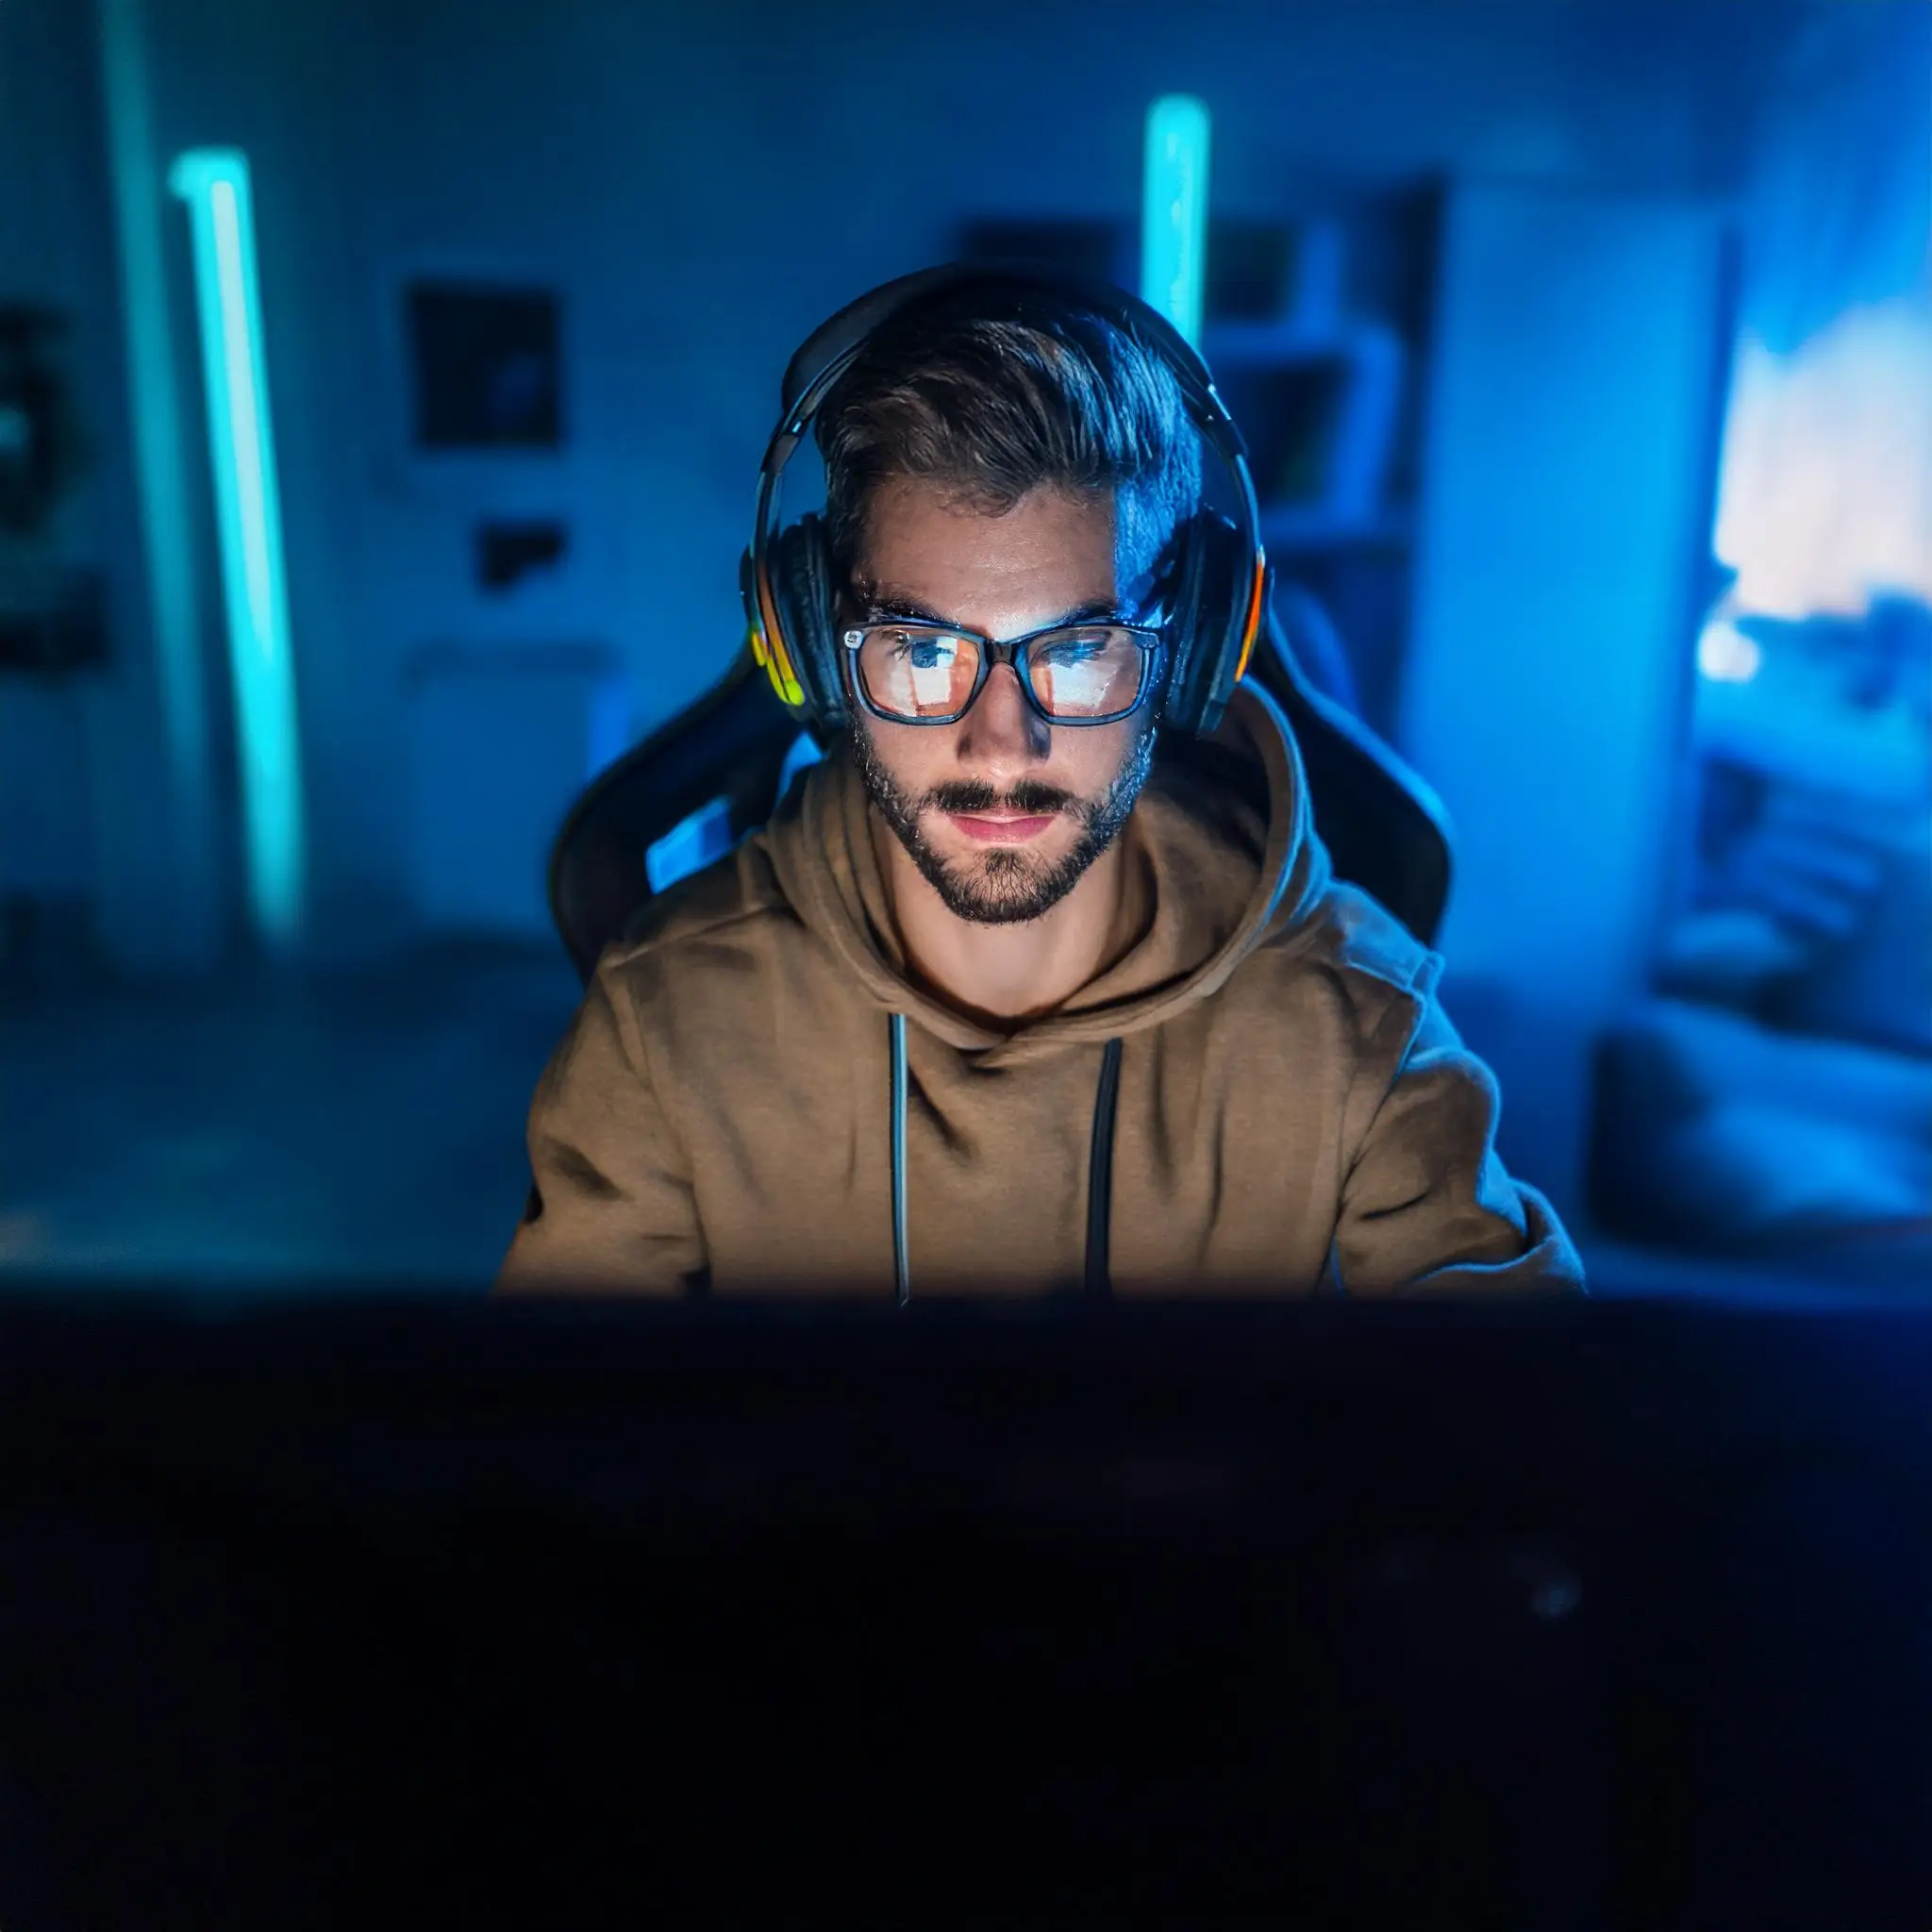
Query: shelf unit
x: 1318, y: 328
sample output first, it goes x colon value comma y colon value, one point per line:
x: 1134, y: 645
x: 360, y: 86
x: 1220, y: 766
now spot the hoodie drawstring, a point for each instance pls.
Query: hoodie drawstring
x: 1100, y: 1173
x: 1099, y: 1285
x: 901, y: 1273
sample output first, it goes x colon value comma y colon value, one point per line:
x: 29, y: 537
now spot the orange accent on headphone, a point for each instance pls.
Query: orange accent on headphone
x: 1252, y: 628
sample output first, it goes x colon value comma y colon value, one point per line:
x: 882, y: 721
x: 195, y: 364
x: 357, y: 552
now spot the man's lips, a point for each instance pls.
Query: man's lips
x: 1000, y: 828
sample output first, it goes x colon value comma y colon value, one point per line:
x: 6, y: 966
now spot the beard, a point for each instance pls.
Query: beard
x: 1008, y: 886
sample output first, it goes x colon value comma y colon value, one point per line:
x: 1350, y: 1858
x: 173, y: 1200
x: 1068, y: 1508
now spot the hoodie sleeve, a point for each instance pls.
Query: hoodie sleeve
x: 1427, y: 1207
x: 611, y: 1210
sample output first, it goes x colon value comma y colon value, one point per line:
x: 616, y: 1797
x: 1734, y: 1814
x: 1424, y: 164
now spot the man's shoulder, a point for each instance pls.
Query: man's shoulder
x: 1359, y: 936
x: 1355, y: 949
x: 735, y: 906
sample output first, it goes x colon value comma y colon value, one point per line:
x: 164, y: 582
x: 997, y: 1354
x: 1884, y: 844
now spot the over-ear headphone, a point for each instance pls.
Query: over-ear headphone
x: 1221, y: 569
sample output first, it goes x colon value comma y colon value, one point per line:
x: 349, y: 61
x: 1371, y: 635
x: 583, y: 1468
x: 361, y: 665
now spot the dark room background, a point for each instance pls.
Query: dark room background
x: 1587, y: 354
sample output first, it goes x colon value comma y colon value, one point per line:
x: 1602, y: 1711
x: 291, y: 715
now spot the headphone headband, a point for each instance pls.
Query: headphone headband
x: 837, y: 339
x: 831, y: 349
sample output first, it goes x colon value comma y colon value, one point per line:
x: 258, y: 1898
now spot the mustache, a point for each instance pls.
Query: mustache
x: 1029, y: 798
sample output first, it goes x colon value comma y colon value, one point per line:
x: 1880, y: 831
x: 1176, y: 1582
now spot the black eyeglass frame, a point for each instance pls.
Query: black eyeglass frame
x: 1016, y: 652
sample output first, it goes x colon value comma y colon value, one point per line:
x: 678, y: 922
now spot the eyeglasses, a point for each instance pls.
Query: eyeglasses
x: 929, y: 674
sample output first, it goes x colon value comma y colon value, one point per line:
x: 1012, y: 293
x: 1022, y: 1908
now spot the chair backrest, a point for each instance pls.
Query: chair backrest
x: 1383, y: 828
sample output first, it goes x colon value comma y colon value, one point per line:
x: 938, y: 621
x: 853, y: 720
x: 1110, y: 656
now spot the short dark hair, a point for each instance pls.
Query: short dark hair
x: 991, y: 400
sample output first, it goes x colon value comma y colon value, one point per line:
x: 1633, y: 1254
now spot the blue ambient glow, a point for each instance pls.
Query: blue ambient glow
x: 159, y: 433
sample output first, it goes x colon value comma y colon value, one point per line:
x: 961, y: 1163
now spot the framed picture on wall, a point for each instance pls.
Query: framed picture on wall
x: 486, y: 366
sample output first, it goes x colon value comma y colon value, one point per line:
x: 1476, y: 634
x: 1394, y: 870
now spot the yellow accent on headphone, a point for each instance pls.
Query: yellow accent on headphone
x: 772, y: 654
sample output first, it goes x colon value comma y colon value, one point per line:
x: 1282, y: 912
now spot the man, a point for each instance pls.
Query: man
x: 1009, y: 997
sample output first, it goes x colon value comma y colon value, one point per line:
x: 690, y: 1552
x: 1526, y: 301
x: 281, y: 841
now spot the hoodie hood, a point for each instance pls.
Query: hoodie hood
x: 1221, y: 854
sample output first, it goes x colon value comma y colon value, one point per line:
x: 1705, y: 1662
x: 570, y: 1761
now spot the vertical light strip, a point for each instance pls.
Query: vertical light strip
x: 1173, y: 212
x: 214, y: 184
x: 155, y: 423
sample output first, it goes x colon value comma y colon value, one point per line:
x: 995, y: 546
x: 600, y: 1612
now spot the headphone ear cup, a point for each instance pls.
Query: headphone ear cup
x: 1183, y: 628
x: 1209, y: 616
x: 802, y: 588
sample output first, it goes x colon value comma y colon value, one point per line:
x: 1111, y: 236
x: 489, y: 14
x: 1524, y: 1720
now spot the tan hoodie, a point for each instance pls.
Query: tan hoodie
x: 1291, y: 1111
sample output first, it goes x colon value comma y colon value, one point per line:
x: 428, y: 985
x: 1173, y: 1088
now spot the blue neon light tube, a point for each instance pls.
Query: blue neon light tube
x: 1173, y: 212
x: 214, y: 184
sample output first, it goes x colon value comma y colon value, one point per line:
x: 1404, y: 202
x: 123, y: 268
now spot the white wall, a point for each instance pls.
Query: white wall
x: 1567, y: 520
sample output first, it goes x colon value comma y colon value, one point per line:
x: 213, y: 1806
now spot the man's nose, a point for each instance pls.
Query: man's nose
x: 1002, y: 730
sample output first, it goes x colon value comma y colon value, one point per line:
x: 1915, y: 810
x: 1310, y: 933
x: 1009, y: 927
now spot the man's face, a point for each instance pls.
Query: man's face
x: 1002, y: 812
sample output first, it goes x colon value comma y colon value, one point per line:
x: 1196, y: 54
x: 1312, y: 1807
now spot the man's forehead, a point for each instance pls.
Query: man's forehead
x: 1053, y: 556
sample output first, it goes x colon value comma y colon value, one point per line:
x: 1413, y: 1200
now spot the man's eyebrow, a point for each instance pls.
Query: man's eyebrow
x: 882, y: 603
